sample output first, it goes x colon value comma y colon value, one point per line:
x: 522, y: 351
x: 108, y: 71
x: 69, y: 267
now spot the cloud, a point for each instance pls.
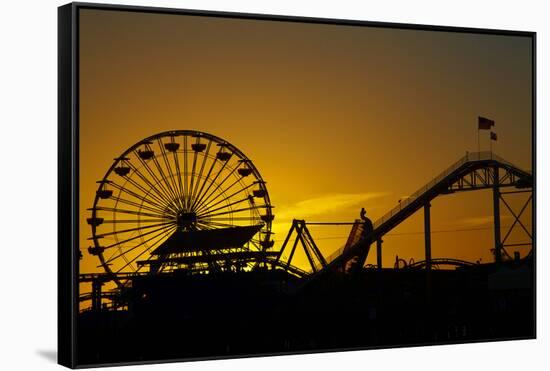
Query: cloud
x: 478, y: 220
x: 326, y: 204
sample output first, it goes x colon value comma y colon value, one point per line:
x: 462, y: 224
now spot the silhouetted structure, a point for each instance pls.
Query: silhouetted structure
x: 178, y: 315
x: 222, y: 299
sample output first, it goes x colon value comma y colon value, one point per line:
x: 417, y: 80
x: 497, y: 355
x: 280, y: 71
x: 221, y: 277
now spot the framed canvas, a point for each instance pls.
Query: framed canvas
x: 235, y: 185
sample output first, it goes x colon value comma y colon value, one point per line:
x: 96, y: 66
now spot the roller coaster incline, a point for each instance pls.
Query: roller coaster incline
x: 474, y: 171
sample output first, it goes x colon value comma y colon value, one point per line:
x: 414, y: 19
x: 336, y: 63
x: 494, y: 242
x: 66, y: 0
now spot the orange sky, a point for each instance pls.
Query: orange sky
x: 334, y: 117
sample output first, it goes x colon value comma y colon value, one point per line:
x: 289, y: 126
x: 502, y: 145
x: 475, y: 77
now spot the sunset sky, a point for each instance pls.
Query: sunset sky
x: 334, y: 117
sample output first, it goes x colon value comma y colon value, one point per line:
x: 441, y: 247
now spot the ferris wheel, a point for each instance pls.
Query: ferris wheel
x: 181, y: 200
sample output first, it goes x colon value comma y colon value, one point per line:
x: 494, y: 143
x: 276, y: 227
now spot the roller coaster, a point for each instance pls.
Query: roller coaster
x: 474, y: 171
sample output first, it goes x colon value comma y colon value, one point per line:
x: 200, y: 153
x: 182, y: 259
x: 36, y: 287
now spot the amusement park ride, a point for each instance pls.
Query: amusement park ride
x: 188, y: 202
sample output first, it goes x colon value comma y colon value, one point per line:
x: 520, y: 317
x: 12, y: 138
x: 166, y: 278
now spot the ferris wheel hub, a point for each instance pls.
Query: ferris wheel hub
x: 186, y: 219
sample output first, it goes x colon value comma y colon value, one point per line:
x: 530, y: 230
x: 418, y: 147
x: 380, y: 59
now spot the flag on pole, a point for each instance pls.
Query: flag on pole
x: 493, y: 136
x: 484, y: 123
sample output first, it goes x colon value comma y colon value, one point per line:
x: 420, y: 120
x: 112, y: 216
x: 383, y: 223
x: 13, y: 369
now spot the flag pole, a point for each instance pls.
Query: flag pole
x: 478, y: 146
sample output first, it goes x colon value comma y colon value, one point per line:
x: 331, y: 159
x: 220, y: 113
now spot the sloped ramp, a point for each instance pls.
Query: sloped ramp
x: 354, y: 254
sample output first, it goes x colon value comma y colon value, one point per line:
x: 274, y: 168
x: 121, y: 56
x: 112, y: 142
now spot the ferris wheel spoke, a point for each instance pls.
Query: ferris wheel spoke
x: 192, y: 180
x: 185, y: 184
x: 231, y: 219
x: 225, y: 198
x: 136, y: 221
x: 221, y: 194
x: 106, y: 234
x: 165, y: 181
x: 140, y: 254
x: 140, y: 236
x: 140, y: 206
x: 204, y: 159
x: 160, y: 196
x: 254, y: 207
x: 155, y: 197
x: 171, y: 177
x: 166, y: 194
x: 124, y: 211
x: 178, y: 173
x: 201, y: 196
x: 122, y: 254
x: 204, y: 226
x: 199, y: 193
x: 143, y: 198
x: 226, y: 206
x: 205, y: 199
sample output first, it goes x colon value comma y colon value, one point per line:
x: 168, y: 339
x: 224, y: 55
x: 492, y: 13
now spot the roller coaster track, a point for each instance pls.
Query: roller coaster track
x: 441, y: 261
x: 474, y: 171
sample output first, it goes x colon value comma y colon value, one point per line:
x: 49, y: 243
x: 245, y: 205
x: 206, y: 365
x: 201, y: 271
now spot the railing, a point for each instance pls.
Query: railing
x: 469, y: 157
x: 353, y: 238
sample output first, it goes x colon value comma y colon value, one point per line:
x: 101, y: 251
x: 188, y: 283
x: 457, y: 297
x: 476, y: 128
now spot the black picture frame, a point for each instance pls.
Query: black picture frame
x: 68, y: 160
